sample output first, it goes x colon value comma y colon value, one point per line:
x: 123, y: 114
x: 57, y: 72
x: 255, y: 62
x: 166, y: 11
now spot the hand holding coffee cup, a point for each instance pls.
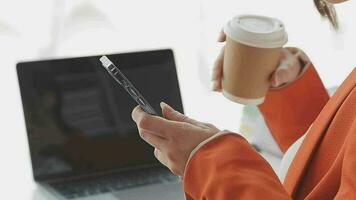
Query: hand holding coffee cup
x: 287, y: 71
x: 253, y: 59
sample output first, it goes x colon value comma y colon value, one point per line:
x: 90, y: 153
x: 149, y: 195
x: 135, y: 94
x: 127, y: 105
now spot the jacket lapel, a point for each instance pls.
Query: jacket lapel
x: 315, y: 135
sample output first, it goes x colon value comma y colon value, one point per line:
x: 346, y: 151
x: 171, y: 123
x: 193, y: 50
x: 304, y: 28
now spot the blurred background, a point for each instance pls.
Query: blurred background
x: 42, y: 29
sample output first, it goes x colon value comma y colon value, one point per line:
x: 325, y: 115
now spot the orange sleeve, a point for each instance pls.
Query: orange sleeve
x: 348, y: 179
x: 290, y: 110
x: 228, y: 168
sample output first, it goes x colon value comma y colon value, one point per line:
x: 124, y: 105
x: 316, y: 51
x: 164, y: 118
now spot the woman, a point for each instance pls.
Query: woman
x: 317, y: 134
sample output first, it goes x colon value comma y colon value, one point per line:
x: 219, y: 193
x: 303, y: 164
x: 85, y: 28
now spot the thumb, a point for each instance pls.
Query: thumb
x: 169, y: 113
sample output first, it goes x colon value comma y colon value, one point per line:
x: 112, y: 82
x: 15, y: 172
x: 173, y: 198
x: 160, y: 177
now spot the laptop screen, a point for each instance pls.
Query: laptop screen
x: 78, y: 118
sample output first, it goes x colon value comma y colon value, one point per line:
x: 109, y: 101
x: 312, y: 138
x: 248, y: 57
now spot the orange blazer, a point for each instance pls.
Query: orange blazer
x: 324, y: 167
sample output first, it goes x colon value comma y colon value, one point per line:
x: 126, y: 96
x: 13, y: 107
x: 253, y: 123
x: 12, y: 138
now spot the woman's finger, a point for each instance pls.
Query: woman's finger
x: 218, y: 65
x: 158, y: 154
x: 218, y: 70
x: 171, y: 114
x: 299, y: 53
x: 152, y: 139
x: 222, y: 36
x: 158, y: 125
x: 292, y: 50
x: 288, y: 69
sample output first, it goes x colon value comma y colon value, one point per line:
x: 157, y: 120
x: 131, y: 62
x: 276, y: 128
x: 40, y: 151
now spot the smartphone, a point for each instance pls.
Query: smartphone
x: 127, y: 85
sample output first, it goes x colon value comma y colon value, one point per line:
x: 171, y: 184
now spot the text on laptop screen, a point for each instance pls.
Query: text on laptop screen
x: 78, y: 118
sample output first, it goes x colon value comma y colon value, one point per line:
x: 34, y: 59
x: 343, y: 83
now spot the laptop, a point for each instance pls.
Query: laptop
x: 82, y: 139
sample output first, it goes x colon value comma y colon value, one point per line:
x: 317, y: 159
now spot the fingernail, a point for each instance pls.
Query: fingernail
x: 221, y: 37
x: 162, y: 104
x: 134, y: 113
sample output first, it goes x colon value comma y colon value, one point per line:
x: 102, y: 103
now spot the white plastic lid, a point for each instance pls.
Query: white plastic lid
x: 257, y: 31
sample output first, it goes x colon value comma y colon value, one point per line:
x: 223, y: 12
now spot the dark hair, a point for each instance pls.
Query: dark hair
x: 327, y: 10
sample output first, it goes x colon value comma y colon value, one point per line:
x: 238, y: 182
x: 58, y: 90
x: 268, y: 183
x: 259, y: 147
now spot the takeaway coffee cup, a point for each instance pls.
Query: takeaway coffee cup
x: 252, y: 52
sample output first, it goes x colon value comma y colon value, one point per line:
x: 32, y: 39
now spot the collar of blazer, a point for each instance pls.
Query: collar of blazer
x: 316, y: 133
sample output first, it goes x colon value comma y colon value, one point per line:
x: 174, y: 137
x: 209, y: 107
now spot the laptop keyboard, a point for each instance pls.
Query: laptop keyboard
x: 113, y: 182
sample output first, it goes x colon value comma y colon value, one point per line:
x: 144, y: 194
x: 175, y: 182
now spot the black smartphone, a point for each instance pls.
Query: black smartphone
x: 127, y: 85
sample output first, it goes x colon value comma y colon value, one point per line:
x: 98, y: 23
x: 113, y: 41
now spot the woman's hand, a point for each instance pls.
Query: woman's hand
x: 288, y: 70
x: 173, y: 137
